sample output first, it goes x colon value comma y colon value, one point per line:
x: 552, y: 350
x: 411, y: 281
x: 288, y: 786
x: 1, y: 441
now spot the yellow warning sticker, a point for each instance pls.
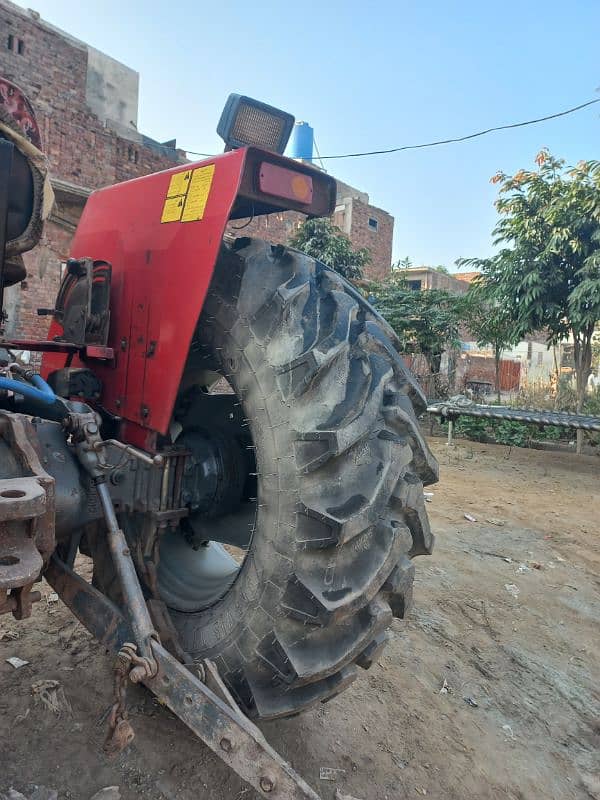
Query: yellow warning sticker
x: 187, y: 195
x: 198, y: 192
x: 172, y: 209
x: 179, y: 183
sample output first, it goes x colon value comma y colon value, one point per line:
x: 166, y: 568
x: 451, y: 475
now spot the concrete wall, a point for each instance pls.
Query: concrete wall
x: 536, y: 360
x: 111, y: 89
x: 433, y: 279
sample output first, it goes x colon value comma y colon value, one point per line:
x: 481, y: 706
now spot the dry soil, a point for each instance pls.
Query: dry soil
x: 490, y: 690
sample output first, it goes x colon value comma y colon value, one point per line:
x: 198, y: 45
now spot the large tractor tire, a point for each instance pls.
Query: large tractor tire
x: 340, y: 466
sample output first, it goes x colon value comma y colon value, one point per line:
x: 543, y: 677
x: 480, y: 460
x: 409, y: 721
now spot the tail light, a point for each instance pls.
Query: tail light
x: 274, y: 183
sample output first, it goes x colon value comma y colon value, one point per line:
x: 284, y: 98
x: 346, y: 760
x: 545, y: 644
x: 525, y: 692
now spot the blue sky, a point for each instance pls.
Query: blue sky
x: 370, y: 76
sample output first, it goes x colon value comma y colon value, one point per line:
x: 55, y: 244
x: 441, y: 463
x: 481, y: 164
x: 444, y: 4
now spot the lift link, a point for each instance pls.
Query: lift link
x: 133, y: 598
x: 128, y: 665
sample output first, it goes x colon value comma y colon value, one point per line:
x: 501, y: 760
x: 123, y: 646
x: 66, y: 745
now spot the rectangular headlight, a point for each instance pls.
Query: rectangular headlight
x: 247, y: 122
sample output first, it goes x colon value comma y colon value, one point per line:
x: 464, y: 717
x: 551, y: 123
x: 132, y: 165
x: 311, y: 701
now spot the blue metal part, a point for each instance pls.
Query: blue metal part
x: 301, y: 142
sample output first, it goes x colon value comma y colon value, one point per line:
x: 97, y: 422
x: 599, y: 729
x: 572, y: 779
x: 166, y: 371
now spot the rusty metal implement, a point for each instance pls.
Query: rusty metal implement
x: 228, y: 733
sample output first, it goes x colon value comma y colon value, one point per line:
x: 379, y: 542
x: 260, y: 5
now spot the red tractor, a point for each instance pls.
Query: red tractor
x: 224, y: 426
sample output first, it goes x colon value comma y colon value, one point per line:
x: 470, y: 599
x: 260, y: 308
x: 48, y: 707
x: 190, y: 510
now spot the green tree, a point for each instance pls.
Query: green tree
x: 490, y: 323
x: 322, y: 240
x: 426, y: 322
x: 547, y: 272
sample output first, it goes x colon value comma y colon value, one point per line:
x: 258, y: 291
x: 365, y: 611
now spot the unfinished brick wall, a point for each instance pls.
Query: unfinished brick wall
x: 281, y: 226
x: 277, y: 228
x: 43, y: 279
x: 51, y: 69
x: 377, y: 240
x: 483, y: 369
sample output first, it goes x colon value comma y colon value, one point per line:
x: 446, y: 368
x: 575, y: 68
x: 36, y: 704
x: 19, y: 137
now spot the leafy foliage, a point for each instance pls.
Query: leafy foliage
x: 322, y: 240
x: 508, y: 432
x: 426, y: 322
x: 490, y: 322
x: 547, y: 272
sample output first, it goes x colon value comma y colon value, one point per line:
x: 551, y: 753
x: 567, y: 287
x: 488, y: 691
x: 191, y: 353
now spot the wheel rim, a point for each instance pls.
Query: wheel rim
x: 200, y: 561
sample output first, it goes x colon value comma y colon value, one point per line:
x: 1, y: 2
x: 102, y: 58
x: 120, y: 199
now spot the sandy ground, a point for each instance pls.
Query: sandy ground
x: 482, y: 694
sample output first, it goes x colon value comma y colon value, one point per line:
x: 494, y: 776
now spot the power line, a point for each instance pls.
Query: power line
x: 469, y: 136
x: 447, y: 141
x: 318, y: 154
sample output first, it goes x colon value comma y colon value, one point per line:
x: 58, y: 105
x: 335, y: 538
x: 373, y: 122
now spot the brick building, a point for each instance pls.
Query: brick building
x: 364, y: 224
x: 86, y: 105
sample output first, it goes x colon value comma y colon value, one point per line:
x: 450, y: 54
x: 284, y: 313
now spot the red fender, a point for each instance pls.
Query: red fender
x: 161, y: 271
x: 162, y: 235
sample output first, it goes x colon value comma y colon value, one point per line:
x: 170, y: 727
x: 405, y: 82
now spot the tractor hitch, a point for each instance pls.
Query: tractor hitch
x: 205, y: 706
x: 211, y: 713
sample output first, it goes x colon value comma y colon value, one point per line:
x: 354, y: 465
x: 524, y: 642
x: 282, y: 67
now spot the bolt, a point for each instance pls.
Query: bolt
x: 267, y: 784
x: 226, y: 744
x: 91, y: 427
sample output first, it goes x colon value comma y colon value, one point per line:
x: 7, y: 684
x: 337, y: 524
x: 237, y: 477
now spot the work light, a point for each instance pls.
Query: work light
x: 245, y: 121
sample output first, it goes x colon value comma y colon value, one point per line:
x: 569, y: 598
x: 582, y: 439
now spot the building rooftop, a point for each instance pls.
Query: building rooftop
x: 468, y: 277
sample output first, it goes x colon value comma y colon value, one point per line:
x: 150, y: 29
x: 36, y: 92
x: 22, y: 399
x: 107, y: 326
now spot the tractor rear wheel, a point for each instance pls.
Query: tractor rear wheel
x: 339, y: 465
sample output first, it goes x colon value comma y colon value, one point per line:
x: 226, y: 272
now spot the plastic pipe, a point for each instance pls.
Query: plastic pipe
x: 40, y: 390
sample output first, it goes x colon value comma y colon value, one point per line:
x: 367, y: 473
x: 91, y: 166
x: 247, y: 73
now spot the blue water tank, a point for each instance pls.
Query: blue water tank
x: 301, y: 142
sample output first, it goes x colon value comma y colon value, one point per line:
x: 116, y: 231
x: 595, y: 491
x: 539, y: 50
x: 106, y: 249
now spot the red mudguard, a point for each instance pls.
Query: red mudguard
x: 162, y: 236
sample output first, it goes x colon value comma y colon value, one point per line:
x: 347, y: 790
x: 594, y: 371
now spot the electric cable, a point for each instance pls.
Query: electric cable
x: 439, y: 142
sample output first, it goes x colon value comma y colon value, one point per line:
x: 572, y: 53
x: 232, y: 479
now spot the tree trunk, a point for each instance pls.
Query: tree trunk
x: 452, y: 371
x: 435, y: 359
x: 497, y: 356
x: 556, y: 377
x: 582, y: 351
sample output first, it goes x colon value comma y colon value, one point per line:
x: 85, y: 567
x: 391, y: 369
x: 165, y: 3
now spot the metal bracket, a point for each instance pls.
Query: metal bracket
x: 228, y: 733
x: 27, y: 518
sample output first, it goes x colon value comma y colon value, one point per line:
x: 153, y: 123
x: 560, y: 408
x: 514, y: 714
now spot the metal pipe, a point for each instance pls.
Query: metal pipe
x: 134, y: 602
x: 152, y: 461
x: 559, y: 419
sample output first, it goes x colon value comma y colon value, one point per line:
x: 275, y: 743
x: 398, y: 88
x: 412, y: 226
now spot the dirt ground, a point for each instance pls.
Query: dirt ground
x: 482, y: 694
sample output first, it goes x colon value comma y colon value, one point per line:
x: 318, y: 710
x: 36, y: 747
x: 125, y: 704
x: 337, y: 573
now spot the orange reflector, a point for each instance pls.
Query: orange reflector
x: 280, y: 182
